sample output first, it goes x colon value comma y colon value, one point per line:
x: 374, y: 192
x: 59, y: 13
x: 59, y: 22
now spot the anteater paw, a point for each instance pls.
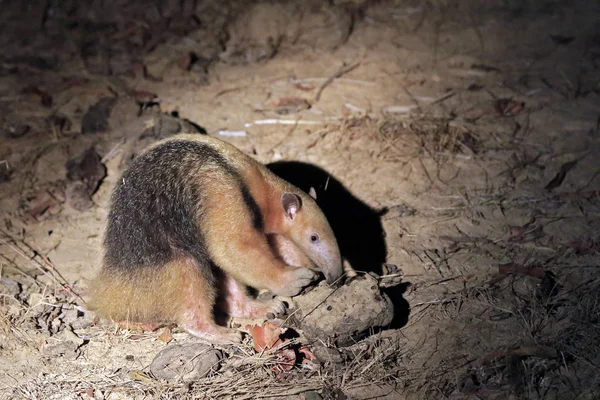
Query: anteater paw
x: 257, y: 309
x: 292, y: 280
x: 216, y: 334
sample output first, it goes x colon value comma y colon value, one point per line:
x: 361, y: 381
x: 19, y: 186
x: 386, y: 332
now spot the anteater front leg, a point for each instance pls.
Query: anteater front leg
x: 237, y: 244
x: 237, y: 302
x: 248, y: 258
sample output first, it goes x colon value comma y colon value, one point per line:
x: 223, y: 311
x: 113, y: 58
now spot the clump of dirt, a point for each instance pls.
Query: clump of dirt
x: 345, y: 314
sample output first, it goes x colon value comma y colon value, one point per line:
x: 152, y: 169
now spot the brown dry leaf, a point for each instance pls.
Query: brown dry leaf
x: 582, y: 246
x: 140, y: 376
x: 185, y: 62
x: 290, y: 105
x: 44, y: 203
x: 304, y: 87
x: 165, y: 335
x: 287, y: 359
x: 139, y: 70
x: 516, y: 233
x: 309, y: 360
x: 508, y: 107
x: 143, y: 96
x: 267, y: 336
x: 68, y: 83
x: 561, y: 175
x: 45, y: 97
x: 523, y: 351
x: 514, y: 269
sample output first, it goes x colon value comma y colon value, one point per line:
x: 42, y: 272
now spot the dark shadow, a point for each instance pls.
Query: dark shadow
x: 401, y: 306
x: 356, y: 225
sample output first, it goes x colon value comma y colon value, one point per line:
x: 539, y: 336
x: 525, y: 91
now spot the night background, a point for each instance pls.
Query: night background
x: 452, y: 144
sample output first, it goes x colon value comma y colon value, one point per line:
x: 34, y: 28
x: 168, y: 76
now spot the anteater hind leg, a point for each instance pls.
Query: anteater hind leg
x: 148, y: 297
x: 197, y: 299
x: 239, y: 304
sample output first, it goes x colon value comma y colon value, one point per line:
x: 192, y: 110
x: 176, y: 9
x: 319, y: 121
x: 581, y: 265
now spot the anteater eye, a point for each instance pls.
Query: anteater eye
x: 314, y: 238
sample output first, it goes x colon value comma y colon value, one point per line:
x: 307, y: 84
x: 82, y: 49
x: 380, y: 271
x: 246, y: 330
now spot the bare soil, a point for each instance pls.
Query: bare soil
x: 459, y: 138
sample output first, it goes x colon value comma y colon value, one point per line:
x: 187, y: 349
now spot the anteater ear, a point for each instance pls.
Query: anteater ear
x: 291, y: 204
x: 312, y: 193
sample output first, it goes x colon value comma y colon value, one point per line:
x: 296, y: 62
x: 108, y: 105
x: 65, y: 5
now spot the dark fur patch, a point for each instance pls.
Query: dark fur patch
x: 257, y: 218
x: 155, y: 206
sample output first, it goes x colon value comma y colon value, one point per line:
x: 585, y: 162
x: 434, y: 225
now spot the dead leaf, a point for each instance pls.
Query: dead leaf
x: 485, y: 68
x: 582, y: 246
x: 508, y: 107
x: 287, y: 359
x: 45, y: 202
x: 139, y: 376
x: 514, y: 269
x: 267, y: 336
x: 308, y: 359
x: 561, y: 40
x: 290, y: 105
x: 561, y: 175
x: 71, y: 82
x: 523, y: 351
x: 516, y: 233
x: 185, y: 62
x: 45, y: 98
x: 304, y: 87
x: 165, y: 335
x: 139, y: 70
x: 96, y: 118
x: 84, y: 174
x: 5, y: 171
x: 143, y: 96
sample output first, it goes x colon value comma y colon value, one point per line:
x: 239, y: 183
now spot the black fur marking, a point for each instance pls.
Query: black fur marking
x: 257, y: 217
x: 154, y: 211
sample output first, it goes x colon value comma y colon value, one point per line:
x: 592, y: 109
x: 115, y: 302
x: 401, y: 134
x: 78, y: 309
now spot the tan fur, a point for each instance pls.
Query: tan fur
x: 288, y: 252
x: 178, y: 292
x: 151, y: 295
x: 232, y: 240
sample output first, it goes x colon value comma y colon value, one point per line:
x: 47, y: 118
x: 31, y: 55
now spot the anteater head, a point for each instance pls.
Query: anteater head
x: 307, y: 227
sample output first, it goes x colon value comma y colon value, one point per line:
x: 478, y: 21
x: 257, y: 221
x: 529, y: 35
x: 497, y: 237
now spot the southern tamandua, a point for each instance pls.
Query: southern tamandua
x: 193, y: 203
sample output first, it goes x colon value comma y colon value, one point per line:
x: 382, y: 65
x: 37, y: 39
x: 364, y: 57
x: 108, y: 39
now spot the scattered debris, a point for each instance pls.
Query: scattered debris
x: 95, y: 119
x: 266, y: 336
x: 561, y: 175
x: 508, y: 107
x: 232, y: 133
x: 514, y: 269
x: 14, y: 130
x: 398, y: 109
x: 560, y: 40
x: 290, y: 105
x: 485, y: 68
x: 45, y: 203
x: 165, y: 125
x: 45, y: 98
x: 287, y: 122
x: 84, y: 175
x: 5, y: 171
x: 343, y: 70
x: 59, y: 124
x: 185, y: 363
x: 166, y: 335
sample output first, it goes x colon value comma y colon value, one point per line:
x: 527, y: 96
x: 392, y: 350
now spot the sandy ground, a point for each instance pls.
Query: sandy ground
x: 475, y: 124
